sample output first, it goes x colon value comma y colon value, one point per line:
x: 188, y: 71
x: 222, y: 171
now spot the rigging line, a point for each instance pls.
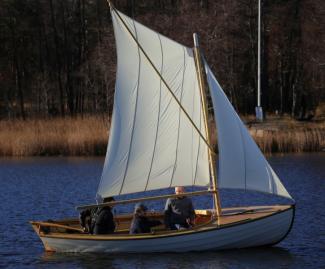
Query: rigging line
x: 154, y: 148
x: 193, y: 177
x: 179, y: 121
x: 163, y: 80
x: 199, y: 146
x: 134, y: 118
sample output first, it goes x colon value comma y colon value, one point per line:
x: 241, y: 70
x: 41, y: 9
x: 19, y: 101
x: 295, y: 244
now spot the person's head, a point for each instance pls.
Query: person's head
x: 140, y: 209
x: 108, y: 199
x: 179, y: 190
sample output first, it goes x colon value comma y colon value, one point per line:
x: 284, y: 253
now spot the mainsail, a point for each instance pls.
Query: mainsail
x: 152, y: 143
x: 241, y: 163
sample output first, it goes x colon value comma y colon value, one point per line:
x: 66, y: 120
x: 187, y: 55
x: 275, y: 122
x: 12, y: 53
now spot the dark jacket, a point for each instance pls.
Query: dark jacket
x: 85, y: 219
x: 97, y: 220
x: 103, y: 221
x: 141, y: 224
x: 177, y: 211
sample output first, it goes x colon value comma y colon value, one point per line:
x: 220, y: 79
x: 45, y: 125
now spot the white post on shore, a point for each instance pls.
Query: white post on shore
x: 258, y: 108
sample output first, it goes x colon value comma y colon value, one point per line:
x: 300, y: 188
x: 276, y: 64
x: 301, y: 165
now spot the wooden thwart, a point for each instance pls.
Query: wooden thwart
x: 136, y: 200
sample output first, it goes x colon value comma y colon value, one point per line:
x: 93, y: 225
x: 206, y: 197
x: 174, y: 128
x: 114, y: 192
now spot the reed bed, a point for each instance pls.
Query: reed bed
x: 60, y: 136
x: 290, y: 140
x: 87, y: 136
x: 283, y: 134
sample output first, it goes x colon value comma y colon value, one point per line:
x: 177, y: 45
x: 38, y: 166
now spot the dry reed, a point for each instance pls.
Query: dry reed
x: 59, y: 136
x: 287, y: 135
x: 283, y: 134
x: 87, y: 136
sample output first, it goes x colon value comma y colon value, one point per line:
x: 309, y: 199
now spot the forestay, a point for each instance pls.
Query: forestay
x: 241, y: 163
x: 152, y: 143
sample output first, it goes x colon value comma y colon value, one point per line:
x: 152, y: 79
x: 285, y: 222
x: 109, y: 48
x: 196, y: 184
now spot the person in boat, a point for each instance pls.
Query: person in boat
x: 99, y: 220
x: 140, y: 222
x: 179, y: 212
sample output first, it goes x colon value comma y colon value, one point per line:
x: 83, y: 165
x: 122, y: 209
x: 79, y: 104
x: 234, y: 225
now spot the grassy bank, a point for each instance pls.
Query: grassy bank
x: 87, y: 136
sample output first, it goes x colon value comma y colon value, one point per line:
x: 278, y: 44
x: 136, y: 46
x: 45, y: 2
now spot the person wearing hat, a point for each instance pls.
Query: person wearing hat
x: 140, y: 223
x: 99, y: 220
x: 103, y: 219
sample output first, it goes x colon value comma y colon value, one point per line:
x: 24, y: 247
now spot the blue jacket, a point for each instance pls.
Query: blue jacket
x: 141, y: 224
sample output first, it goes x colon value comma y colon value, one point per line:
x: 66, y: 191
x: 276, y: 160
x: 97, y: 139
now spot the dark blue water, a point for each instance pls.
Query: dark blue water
x: 50, y: 188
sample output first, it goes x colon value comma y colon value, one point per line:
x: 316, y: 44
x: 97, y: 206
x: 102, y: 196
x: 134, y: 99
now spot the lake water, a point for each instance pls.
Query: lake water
x: 50, y: 188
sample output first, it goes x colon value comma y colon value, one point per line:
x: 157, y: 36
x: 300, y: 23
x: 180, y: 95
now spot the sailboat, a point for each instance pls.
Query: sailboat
x: 160, y: 138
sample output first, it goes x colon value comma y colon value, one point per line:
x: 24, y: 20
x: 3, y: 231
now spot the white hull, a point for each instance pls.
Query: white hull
x: 264, y: 231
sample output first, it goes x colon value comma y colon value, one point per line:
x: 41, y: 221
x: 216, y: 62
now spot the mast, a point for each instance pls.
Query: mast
x: 201, y: 79
x: 259, y: 109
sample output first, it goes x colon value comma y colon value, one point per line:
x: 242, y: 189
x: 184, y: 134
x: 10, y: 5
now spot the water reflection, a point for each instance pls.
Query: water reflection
x: 247, y: 258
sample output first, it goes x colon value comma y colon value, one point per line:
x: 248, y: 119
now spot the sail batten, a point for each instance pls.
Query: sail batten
x: 148, y: 125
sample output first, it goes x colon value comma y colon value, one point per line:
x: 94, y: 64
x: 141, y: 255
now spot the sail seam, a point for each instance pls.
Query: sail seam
x: 135, y: 113
x: 179, y: 122
x: 157, y: 129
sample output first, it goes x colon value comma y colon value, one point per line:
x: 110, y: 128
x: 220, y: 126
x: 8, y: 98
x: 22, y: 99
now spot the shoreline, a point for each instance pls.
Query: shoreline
x: 88, y: 136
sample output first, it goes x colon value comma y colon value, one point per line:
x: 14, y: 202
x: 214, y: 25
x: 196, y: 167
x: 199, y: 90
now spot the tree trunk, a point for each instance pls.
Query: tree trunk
x: 58, y: 61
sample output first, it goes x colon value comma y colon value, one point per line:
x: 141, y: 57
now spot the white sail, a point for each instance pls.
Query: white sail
x: 152, y: 143
x: 241, y: 163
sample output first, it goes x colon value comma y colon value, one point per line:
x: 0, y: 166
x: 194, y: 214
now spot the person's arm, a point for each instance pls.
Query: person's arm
x: 167, y: 213
x: 134, y: 226
x: 101, y: 217
x: 83, y: 218
x: 191, y: 213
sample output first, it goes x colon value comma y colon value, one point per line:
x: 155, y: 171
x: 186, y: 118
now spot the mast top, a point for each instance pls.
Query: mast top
x: 111, y: 6
x: 196, y: 40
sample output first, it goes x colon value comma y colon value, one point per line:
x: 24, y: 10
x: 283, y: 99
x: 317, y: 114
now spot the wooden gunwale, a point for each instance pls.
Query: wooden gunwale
x: 204, y: 228
x: 56, y: 225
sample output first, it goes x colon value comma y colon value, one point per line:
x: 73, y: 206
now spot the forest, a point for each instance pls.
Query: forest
x: 57, y: 57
